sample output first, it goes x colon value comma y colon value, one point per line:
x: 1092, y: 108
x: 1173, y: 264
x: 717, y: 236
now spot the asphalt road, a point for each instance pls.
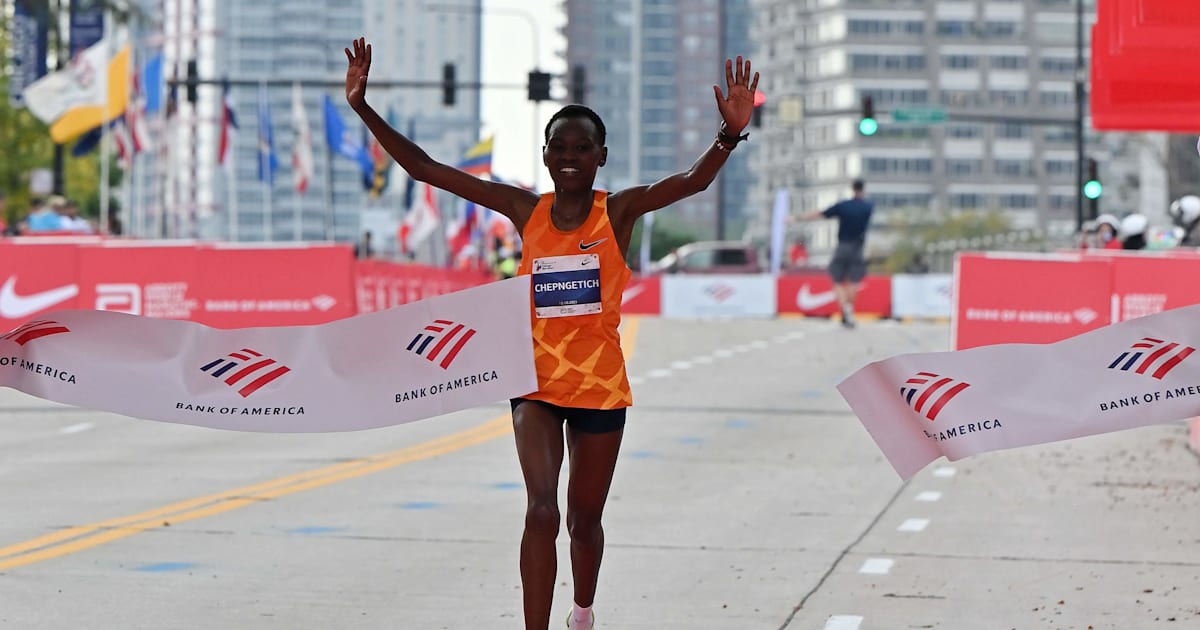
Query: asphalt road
x: 747, y: 497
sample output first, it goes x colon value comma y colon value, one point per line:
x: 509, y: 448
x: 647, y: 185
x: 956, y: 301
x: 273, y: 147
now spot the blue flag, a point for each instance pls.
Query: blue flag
x: 267, y: 161
x: 345, y: 143
x: 152, y: 83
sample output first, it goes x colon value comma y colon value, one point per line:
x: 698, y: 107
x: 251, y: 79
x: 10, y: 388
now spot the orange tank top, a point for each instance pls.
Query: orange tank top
x: 577, y: 281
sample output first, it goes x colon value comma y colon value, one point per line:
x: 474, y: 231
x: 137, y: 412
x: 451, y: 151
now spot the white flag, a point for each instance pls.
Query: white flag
x: 422, y: 219
x: 302, y: 152
x: 1139, y: 372
x: 419, y: 360
x: 779, y: 215
x: 83, y: 82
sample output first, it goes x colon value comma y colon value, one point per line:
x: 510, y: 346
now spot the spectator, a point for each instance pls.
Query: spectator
x: 45, y: 218
x: 363, y: 248
x: 798, y: 253
x: 1106, y: 232
x: 917, y: 264
x: 70, y: 220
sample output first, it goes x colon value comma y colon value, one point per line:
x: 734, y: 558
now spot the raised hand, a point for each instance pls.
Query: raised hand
x: 358, y: 65
x: 737, y: 105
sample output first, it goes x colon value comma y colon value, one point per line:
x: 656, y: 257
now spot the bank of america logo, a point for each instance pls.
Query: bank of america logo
x: 29, y: 331
x: 927, y: 392
x: 443, y: 339
x: 1149, y: 353
x: 720, y: 291
x: 248, y: 370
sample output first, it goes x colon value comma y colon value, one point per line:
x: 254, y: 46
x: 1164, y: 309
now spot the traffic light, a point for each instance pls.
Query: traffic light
x: 192, y: 80
x: 1092, y: 187
x: 539, y: 86
x: 868, y: 125
x: 448, y: 84
x: 579, y: 84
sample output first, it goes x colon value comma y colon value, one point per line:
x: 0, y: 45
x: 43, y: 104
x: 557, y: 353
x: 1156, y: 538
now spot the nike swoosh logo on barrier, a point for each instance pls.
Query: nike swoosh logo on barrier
x: 808, y: 301
x: 13, y: 306
x: 586, y: 246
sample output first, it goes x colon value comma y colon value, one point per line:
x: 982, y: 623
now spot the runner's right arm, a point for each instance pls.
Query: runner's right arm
x: 511, y: 201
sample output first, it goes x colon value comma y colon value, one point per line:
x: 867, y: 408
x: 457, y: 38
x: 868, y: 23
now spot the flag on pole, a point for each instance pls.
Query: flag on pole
x: 267, y: 161
x: 152, y: 83
x: 478, y: 159
x: 228, y: 131
x: 779, y: 215
x: 421, y: 221
x: 91, y: 90
x: 341, y: 141
x: 302, y: 152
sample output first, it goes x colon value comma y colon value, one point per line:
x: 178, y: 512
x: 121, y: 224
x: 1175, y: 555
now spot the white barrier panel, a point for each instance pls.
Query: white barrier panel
x: 419, y: 360
x: 918, y: 407
x: 722, y: 295
x: 922, y: 295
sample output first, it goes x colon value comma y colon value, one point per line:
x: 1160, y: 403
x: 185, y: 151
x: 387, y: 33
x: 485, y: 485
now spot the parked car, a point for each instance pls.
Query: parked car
x: 712, y: 257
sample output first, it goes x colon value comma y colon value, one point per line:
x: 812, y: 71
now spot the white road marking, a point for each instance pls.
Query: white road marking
x: 913, y: 525
x: 636, y: 380
x: 681, y: 365
x: 843, y: 622
x: 929, y: 496
x: 659, y: 373
x: 944, y: 471
x: 704, y: 360
x: 877, y: 566
x: 723, y: 354
x: 758, y: 345
x: 76, y: 428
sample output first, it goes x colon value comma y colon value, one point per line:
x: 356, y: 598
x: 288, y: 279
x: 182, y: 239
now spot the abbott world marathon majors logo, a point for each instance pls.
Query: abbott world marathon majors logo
x: 245, y: 371
x: 1155, y: 358
x: 441, y: 342
x: 928, y: 394
x: 30, y: 332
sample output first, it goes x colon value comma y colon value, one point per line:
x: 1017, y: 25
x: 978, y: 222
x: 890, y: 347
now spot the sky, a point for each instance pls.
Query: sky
x: 508, y: 56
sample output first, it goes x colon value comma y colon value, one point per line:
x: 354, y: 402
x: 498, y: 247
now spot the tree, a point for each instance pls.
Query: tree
x: 665, y: 236
x: 27, y: 145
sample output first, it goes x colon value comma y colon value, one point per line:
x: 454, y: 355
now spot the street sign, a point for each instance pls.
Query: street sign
x: 919, y: 115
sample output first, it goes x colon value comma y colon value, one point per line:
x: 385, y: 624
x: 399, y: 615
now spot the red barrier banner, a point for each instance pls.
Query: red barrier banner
x: 380, y: 284
x: 245, y: 285
x: 1001, y: 298
x: 1149, y: 284
x: 37, y: 277
x: 642, y: 296
x: 812, y: 294
x: 155, y: 279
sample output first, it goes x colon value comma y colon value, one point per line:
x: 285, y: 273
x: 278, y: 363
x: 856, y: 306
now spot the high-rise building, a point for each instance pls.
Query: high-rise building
x: 975, y: 101
x: 266, y: 47
x: 650, y: 67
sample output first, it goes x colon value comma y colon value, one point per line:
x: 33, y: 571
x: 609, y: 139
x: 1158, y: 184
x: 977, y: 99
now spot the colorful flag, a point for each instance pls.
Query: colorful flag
x: 341, y: 141
x: 93, y: 89
x: 229, y: 128
x: 302, y: 152
x: 267, y: 161
x: 478, y: 159
x: 421, y: 221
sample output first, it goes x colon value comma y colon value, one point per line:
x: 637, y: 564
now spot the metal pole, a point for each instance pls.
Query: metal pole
x: 1079, y: 96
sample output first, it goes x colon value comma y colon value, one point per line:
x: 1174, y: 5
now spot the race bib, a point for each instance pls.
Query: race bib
x: 565, y: 286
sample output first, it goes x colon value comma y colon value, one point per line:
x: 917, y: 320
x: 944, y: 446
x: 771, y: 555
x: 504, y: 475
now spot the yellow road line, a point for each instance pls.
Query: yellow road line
x: 80, y: 537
